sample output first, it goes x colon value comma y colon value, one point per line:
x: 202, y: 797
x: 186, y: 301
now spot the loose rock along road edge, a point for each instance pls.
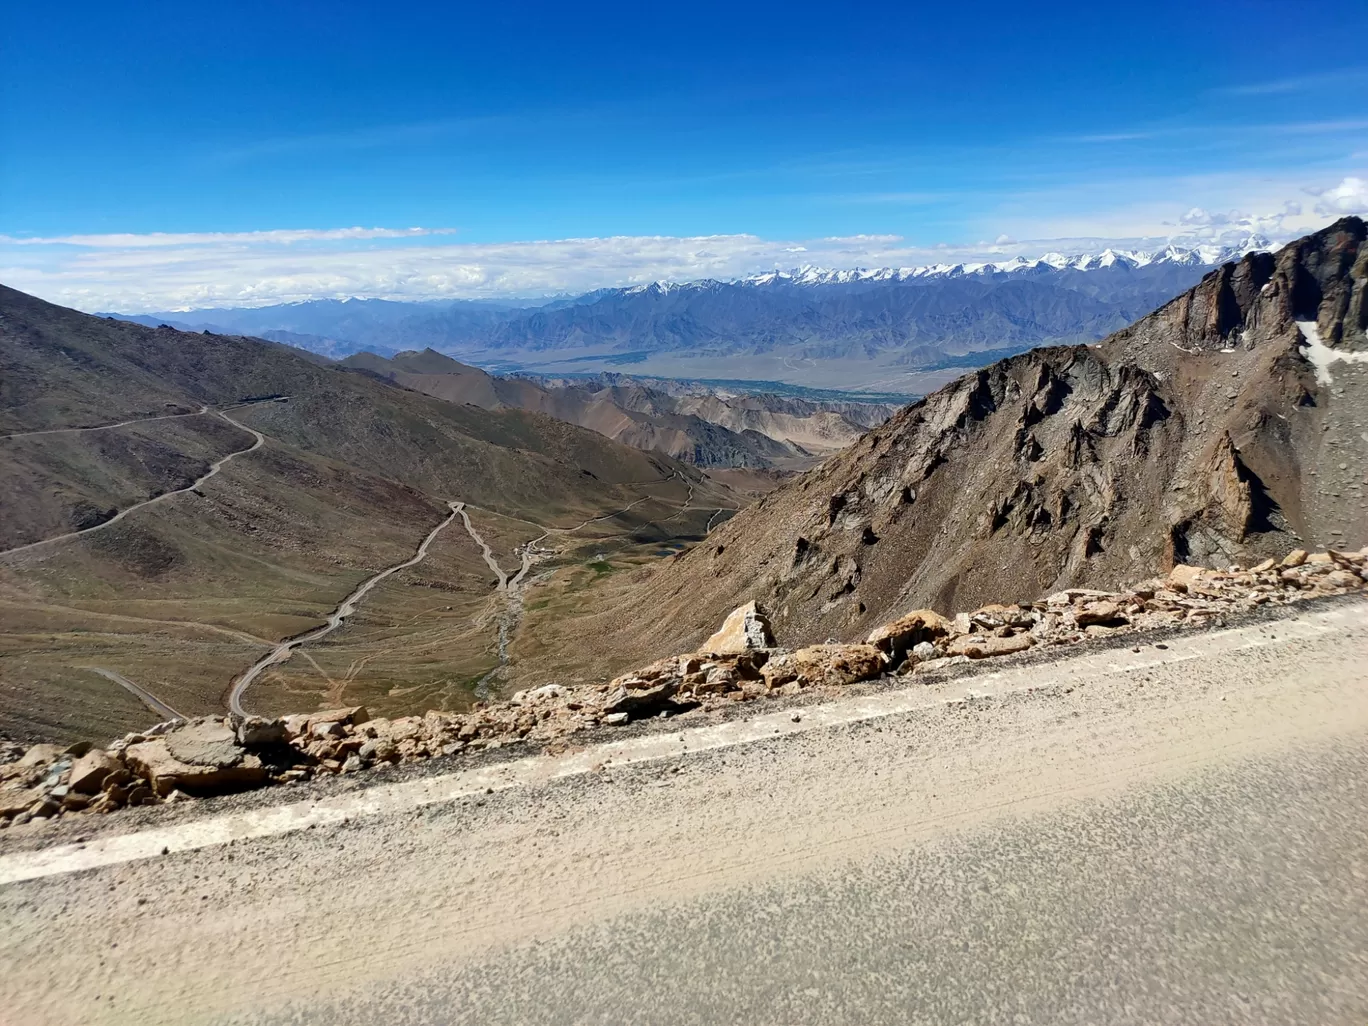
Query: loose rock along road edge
x: 447, y: 872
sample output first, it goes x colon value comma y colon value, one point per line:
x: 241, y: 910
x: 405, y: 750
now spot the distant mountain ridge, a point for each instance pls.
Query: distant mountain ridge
x: 1179, y: 256
x: 698, y: 427
x: 893, y: 329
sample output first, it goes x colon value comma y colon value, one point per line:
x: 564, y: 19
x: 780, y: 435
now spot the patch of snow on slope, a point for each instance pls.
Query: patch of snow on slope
x: 1321, y: 356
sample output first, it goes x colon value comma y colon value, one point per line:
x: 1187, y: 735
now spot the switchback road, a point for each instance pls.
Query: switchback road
x: 344, y: 609
x: 140, y: 693
x: 214, y: 468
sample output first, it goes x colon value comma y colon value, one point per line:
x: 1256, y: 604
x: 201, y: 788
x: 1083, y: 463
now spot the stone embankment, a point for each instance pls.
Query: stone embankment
x: 215, y: 755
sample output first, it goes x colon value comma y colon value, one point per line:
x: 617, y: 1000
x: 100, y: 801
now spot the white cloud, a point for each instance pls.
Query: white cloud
x: 1349, y: 197
x: 1297, y: 84
x: 163, y: 272
x: 132, y: 274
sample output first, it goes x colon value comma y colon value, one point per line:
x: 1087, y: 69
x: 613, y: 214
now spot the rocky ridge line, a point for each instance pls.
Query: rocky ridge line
x: 213, y: 755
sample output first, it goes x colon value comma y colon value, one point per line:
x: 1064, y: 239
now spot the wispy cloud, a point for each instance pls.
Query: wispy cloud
x: 1111, y: 137
x: 363, y: 138
x: 1295, y: 83
x: 912, y: 199
x: 1228, y: 130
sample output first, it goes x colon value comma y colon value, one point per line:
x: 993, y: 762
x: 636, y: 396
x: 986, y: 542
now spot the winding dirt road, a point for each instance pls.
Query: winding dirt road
x: 108, y: 427
x: 512, y: 587
x: 713, y: 519
x: 214, y: 468
x: 485, y: 550
x: 140, y: 693
x: 348, y: 605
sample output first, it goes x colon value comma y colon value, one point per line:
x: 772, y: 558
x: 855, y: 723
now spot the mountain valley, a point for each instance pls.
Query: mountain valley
x: 324, y: 478
x: 702, y: 428
x: 1221, y: 428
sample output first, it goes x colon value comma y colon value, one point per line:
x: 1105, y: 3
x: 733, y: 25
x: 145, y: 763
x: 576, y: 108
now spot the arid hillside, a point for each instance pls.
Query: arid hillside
x: 1224, y: 427
x: 174, y: 504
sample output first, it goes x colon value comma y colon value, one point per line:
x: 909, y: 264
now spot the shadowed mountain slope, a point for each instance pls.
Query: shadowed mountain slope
x: 67, y: 369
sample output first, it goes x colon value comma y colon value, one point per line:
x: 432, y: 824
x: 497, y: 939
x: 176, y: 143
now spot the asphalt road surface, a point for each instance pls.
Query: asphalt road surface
x: 1178, y: 834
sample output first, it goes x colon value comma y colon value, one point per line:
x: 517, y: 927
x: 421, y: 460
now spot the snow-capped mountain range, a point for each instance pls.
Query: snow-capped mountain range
x: 1171, y: 254
x: 770, y: 325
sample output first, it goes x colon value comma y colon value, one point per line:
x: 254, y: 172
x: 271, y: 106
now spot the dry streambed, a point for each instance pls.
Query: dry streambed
x: 213, y: 755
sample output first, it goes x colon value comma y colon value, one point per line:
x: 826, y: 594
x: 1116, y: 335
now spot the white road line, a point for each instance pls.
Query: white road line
x: 538, y: 769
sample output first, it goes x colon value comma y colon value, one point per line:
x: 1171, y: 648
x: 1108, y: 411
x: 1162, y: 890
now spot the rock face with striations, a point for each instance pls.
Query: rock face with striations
x: 1224, y: 427
x: 745, y: 629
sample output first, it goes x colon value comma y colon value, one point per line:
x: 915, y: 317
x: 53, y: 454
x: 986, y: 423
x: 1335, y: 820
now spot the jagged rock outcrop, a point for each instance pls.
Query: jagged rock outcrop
x: 745, y: 629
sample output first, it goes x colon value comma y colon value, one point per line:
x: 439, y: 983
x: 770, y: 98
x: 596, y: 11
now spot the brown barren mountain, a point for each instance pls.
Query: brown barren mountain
x: 1227, y: 426
x: 757, y: 431
x: 180, y: 595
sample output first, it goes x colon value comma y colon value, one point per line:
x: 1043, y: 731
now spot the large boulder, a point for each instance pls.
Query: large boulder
x: 984, y: 646
x: 354, y: 715
x: 40, y: 755
x: 260, y: 732
x: 1182, y: 577
x: 14, y: 800
x: 1101, y: 614
x: 640, y: 697
x: 91, y: 770
x: 201, y: 758
x: 896, y: 639
x: 830, y: 664
x: 745, y: 629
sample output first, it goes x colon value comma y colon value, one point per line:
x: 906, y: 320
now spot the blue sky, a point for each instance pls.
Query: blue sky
x: 782, y: 125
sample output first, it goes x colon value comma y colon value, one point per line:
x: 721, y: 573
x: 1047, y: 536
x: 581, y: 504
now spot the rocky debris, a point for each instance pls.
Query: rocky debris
x: 907, y: 632
x: 745, y: 629
x: 201, y: 758
x: 830, y: 665
x: 89, y: 773
x: 259, y: 732
x: 215, y: 755
x: 1104, y: 613
x: 982, y: 646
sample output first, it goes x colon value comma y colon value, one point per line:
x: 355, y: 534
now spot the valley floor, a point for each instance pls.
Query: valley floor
x: 1164, y: 830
